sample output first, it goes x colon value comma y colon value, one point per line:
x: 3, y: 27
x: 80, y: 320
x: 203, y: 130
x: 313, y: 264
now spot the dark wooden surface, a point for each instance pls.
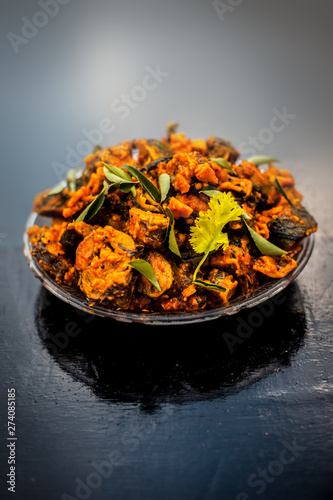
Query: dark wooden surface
x: 107, y: 410
x: 142, y: 413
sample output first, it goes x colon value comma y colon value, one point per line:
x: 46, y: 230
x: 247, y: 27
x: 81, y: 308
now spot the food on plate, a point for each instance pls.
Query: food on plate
x: 170, y: 225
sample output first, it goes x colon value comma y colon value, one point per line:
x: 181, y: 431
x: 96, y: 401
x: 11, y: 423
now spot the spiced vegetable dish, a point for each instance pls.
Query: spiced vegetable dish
x: 170, y: 225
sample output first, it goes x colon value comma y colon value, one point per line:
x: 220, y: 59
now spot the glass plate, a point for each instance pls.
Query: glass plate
x: 77, y: 299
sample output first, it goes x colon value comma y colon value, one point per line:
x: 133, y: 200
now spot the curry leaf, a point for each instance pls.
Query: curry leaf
x: 211, y: 286
x: 119, y: 178
x: 71, y: 179
x: 145, y: 268
x: 57, y: 189
x: 282, y: 191
x: 170, y: 235
x: 264, y: 246
x: 246, y: 216
x: 153, y: 164
x: 221, y: 162
x: 164, y: 183
x: 93, y: 207
x: 261, y: 160
x: 210, y: 191
x: 118, y: 182
x: 117, y: 171
x: 146, y: 184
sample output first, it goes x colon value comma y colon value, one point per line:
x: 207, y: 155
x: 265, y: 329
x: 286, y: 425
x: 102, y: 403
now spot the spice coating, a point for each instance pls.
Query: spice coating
x: 114, y: 219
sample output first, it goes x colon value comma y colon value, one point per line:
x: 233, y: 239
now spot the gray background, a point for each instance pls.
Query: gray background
x: 226, y: 75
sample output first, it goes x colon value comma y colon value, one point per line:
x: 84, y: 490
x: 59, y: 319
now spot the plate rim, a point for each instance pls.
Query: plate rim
x: 256, y: 297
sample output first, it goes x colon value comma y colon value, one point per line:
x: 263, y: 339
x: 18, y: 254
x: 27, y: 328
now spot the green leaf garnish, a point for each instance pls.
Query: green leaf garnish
x: 119, y: 172
x: 261, y: 160
x: 206, y: 234
x: 170, y: 237
x: 118, y: 182
x: 164, y: 183
x: 264, y: 246
x: 94, y: 206
x: 211, y: 286
x: 145, y: 268
x: 210, y: 191
x: 71, y: 183
x: 282, y: 191
x: 119, y: 178
x: 71, y: 179
x: 97, y: 148
x: 146, y: 184
x: 57, y: 189
x: 221, y: 162
x: 246, y: 216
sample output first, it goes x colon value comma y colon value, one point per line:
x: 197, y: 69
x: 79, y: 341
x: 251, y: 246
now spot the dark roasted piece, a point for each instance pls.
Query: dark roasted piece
x: 218, y: 148
x: 50, y: 205
x: 50, y: 254
x: 147, y: 228
x: 72, y: 236
x: 102, y: 259
x: 291, y: 226
x: 164, y: 274
x: 150, y: 151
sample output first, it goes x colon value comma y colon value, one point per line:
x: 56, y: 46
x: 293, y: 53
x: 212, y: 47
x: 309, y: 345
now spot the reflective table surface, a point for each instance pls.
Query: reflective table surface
x: 237, y: 407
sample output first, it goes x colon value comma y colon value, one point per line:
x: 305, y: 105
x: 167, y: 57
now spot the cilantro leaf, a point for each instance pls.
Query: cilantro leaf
x: 206, y: 234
